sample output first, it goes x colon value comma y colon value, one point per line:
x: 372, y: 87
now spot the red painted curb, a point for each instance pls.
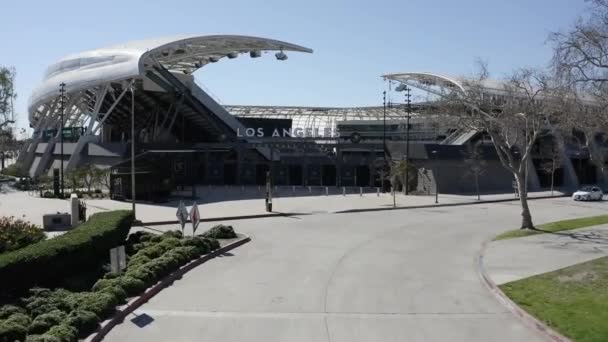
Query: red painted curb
x: 529, y: 320
x: 135, y: 303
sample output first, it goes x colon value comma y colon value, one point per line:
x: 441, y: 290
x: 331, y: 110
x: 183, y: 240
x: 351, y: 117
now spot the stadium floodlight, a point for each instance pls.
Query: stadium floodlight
x: 281, y: 56
x: 213, y: 59
x: 198, y: 64
x: 401, y: 87
x: 232, y: 55
x: 255, y: 53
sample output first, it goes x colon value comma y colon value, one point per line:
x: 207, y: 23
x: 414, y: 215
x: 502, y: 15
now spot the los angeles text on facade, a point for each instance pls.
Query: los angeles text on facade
x: 289, y: 133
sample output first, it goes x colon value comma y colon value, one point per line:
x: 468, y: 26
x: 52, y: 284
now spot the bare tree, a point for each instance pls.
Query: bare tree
x: 551, y: 165
x: 580, y: 61
x: 7, y: 95
x: 475, y: 163
x: 515, y: 113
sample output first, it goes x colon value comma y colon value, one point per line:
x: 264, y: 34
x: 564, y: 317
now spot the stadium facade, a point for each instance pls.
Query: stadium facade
x: 184, y: 137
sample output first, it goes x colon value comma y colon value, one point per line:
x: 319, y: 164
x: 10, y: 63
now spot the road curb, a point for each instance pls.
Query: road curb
x: 426, y: 206
x: 214, y: 219
x: 135, y: 303
x: 529, y: 320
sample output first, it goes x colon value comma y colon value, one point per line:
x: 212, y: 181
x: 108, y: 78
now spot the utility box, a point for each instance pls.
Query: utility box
x: 58, y: 221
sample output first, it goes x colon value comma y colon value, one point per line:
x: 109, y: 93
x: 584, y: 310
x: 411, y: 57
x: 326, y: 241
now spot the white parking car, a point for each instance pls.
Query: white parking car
x: 588, y: 193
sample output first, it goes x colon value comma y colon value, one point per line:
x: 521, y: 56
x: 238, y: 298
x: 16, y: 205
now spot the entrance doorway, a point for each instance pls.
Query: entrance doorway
x: 329, y: 175
x: 295, y: 174
x: 260, y: 174
x: 362, y: 175
x: 230, y: 174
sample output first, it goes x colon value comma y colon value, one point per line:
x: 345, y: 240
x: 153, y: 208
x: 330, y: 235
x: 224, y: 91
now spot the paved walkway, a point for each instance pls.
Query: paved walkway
x: 407, y: 275
x: 514, y: 259
x: 219, y: 202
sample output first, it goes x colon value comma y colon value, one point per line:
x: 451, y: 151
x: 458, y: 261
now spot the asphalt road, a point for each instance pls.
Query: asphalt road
x: 405, y: 275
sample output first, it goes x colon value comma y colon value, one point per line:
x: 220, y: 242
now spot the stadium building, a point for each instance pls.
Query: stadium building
x: 184, y: 138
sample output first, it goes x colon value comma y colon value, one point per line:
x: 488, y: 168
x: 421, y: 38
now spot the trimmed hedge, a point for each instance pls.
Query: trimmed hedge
x: 47, y: 262
x: 220, y: 232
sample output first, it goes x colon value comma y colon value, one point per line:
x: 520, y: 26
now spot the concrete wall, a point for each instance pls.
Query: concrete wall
x: 453, y: 178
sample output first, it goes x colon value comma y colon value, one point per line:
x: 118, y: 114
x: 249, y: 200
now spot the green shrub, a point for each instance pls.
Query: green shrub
x: 43, y: 300
x: 7, y: 310
x: 182, y: 254
x: 156, y: 238
x: 16, y: 234
x: 84, y: 321
x: 103, y: 283
x: 64, y: 332
x: 111, y: 275
x: 143, y: 274
x: 151, y: 252
x: 45, y: 321
x: 213, y: 244
x: 139, y: 236
x: 11, y: 331
x: 118, y: 292
x: 173, y: 234
x: 132, y: 286
x: 19, y: 319
x: 168, y: 243
x: 49, y: 261
x: 220, y: 232
x: 138, y: 260
x: 202, y: 245
x: 163, y: 266
x: 42, y: 338
x: 100, y: 303
x: 15, y: 170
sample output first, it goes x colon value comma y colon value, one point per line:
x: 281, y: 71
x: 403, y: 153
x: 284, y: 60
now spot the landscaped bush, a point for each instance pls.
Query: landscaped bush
x: 42, y: 323
x: 84, y: 321
x: 8, y: 310
x: 42, y: 338
x: 11, y: 331
x: 100, y: 303
x: 60, y: 315
x: 15, y: 170
x: 16, y: 233
x: 220, y: 232
x: 118, y: 292
x: 47, y: 262
x: 64, y: 332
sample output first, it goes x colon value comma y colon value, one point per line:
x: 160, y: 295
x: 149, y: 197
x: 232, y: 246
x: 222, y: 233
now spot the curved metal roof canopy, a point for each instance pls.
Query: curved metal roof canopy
x: 185, y: 54
x: 440, y: 84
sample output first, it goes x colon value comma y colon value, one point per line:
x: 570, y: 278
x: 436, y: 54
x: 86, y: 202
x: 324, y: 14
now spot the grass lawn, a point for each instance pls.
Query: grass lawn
x: 573, y: 300
x: 555, y: 227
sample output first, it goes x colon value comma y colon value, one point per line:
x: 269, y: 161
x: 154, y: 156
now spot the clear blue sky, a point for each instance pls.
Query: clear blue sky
x: 354, y: 41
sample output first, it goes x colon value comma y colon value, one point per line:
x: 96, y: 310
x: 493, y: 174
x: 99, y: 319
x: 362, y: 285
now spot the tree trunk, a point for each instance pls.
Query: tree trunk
x: 477, y: 185
x: 526, y: 217
x: 552, y: 177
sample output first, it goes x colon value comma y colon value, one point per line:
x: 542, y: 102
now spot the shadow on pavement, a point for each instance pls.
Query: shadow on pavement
x: 142, y: 320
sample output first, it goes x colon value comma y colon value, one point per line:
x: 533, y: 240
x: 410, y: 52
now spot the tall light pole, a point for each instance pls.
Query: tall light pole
x: 61, y: 101
x: 436, y: 174
x: 407, y: 138
x: 383, y: 137
x: 133, y: 149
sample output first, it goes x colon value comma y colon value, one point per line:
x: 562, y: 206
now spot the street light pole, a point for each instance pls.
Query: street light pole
x: 436, y: 176
x: 383, y: 138
x: 62, y: 101
x: 133, y: 149
x: 407, y: 138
